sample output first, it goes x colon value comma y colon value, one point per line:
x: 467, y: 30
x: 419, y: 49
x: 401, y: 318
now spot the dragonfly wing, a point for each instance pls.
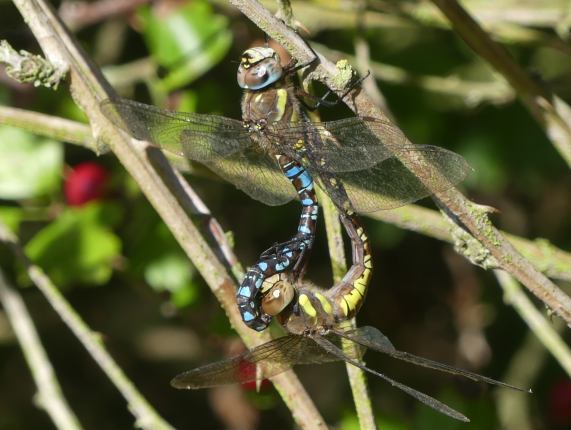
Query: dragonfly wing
x: 257, y: 175
x: 424, y: 398
x: 194, y: 136
x: 220, y: 143
x: 264, y: 361
x: 390, y: 184
x: 373, y: 339
x: 345, y: 145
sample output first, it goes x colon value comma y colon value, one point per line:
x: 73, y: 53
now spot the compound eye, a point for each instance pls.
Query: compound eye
x: 260, y: 75
x: 277, y: 298
x: 261, y: 72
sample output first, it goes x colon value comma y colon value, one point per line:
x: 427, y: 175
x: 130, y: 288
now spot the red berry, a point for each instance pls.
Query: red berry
x: 247, y: 372
x: 86, y: 182
x: 560, y: 403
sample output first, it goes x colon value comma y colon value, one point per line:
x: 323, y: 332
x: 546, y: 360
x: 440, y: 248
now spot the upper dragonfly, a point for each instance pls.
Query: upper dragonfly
x: 355, y: 160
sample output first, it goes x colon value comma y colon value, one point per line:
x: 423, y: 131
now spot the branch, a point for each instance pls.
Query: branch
x: 28, y: 68
x: 537, y: 323
x: 57, y: 128
x: 552, y: 113
x: 147, y: 417
x: 471, y: 93
x: 357, y: 378
x: 524, y: 368
x: 469, y: 215
x: 162, y: 187
x: 50, y: 396
x: 547, y: 258
x: 79, y: 14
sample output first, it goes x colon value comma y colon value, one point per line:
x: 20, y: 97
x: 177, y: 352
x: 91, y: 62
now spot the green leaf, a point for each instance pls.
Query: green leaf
x: 173, y: 273
x: 76, y: 248
x: 187, y: 41
x: 30, y: 166
x: 11, y: 217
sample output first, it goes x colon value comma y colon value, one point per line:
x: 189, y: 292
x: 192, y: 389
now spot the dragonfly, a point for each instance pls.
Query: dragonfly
x: 314, y: 338
x: 354, y: 160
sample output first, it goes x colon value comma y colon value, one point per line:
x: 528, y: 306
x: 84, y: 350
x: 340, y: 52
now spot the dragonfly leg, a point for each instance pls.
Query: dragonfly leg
x: 313, y: 102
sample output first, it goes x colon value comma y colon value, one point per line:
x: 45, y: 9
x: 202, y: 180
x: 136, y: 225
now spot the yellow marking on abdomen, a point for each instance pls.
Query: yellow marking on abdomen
x: 306, y: 306
x: 353, y: 299
x: 324, y: 303
x: 367, y: 262
x: 281, y: 104
x: 344, y: 306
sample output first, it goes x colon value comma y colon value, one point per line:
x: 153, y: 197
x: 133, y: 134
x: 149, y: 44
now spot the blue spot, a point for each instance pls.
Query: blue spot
x: 258, y: 283
x: 262, y: 265
x: 289, y: 254
x: 307, y: 202
x: 280, y: 267
x: 244, y: 292
x: 305, y: 179
x: 248, y: 316
x: 304, y: 229
x: 290, y: 173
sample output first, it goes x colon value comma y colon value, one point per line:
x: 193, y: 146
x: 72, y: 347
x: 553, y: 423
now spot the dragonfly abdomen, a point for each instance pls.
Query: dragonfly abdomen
x: 288, y: 256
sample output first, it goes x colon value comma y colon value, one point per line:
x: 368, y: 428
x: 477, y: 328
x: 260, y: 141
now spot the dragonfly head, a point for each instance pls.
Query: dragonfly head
x: 277, y: 297
x: 259, y: 68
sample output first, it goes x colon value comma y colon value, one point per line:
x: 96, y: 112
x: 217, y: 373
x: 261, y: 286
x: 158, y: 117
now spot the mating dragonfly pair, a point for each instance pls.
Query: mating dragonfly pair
x: 354, y: 160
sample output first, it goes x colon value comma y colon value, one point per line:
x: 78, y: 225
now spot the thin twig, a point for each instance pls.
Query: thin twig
x: 471, y: 93
x: 79, y: 14
x: 513, y: 24
x: 146, y: 416
x: 285, y: 12
x: 57, y: 128
x: 547, y: 258
x: 524, y: 368
x: 537, y: 323
x: 363, y: 61
x: 357, y: 378
x: 50, y: 396
x: 552, y: 113
x: 472, y: 217
x: 163, y: 189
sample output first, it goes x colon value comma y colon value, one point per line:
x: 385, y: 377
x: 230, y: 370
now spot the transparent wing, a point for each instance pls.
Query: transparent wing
x: 390, y: 184
x: 372, y: 338
x: 348, y: 144
x: 362, y: 152
x: 424, y: 398
x: 257, y: 175
x: 194, y: 136
x: 264, y: 361
x: 220, y: 143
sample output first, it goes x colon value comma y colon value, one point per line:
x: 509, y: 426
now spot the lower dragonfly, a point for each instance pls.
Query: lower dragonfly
x: 312, y: 317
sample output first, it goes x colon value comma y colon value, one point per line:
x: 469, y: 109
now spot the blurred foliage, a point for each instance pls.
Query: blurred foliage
x: 425, y: 298
x: 82, y: 241
x: 187, y: 41
x: 30, y: 166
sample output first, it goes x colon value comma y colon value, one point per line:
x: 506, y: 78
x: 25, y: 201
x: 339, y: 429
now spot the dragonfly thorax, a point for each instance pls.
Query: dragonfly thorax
x: 259, y: 68
x: 255, y: 125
